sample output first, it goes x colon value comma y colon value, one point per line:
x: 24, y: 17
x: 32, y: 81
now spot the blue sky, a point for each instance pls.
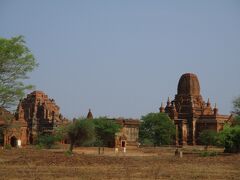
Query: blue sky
x: 123, y: 58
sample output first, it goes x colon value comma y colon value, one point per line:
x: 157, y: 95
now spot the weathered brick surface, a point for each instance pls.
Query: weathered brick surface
x: 36, y: 114
x: 191, y: 114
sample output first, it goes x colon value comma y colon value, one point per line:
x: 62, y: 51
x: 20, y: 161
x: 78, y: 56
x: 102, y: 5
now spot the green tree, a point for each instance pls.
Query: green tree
x: 229, y: 137
x: 61, y: 132
x: 80, y: 131
x: 47, y: 140
x: 236, y: 106
x: 157, y: 128
x: 236, y: 120
x: 208, y: 137
x: 16, y: 61
x: 105, y: 131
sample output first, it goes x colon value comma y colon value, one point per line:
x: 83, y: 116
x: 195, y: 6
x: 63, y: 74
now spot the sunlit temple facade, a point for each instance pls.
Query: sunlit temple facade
x: 190, y: 113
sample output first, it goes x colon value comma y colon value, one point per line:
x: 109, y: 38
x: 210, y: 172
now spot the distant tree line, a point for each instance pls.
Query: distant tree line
x: 98, y: 132
x: 156, y: 129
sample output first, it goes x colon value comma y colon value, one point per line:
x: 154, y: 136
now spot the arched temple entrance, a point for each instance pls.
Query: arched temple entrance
x: 1, y: 139
x: 13, y: 141
x: 123, y: 144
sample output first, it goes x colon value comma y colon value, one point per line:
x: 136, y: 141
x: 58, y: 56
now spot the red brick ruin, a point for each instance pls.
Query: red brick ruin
x: 190, y: 113
x: 37, y: 114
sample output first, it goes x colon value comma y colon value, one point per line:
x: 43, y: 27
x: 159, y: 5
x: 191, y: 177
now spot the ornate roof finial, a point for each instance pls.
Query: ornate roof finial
x: 168, y: 102
x: 162, y: 110
x: 208, y: 103
x: 89, y: 115
x: 173, y: 106
x: 215, y: 110
x: 173, y: 110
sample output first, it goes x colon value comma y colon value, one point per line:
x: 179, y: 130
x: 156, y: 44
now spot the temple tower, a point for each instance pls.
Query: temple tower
x: 89, y: 115
x: 189, y: 104
x: 190, y: 113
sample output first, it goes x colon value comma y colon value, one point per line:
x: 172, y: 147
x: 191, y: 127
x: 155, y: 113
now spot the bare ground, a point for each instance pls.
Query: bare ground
x: 143, y: 163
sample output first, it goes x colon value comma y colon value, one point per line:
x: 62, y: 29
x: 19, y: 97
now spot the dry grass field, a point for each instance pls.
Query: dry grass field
x: 143, y: 163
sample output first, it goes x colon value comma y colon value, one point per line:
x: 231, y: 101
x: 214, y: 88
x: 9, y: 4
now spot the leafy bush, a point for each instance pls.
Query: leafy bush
x: 147, y: 142
x: 39, y: 146
x: 68, y: 153
x: 105, y: 130
x: 79, y: 132
x: 46, y: 141
x: 207, y: 154
x: 236, y: 105
x: 8, y: 147
x: 61, y: 132
x: 208, y: 137
x: 236, y: 120
x: 229, y: 137
x: 158, y: 128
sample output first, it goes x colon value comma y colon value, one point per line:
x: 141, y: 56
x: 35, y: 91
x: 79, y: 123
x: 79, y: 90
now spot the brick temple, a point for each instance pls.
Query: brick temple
x: 128, y: 135
x: 190, y: 113
x: 36, y: 114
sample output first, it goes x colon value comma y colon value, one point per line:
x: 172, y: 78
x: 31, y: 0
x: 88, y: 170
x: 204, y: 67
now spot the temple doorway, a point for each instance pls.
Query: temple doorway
x: 123, y: 144
x: 31, y: 139
x: 1, y: 139
x: 13, y: 141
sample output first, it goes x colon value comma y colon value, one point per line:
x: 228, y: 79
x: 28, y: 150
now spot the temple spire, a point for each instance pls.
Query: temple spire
x: 162, y: 110
x: 89, y: 115
x: 215, y: 110
x: 168, y: 102
x: 208, y: 103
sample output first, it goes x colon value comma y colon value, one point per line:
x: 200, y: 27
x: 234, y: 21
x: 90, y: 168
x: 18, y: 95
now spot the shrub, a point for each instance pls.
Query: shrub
x: 68, y: 153
x: 79, y: 132
x: 157, y: 128
x: 105, y: 130
x: 39, y: 146
x: 147, y: 142
x: 8, y: 147
x: 230, y: 138
x: 207, y: 153
x: 208, y: 137
x: 46, y: 141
